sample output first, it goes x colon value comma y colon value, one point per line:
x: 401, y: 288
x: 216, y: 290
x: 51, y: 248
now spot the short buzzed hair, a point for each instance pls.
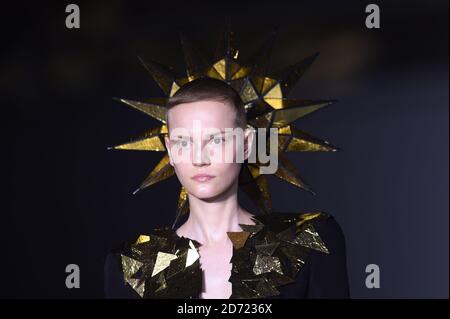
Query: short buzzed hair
x: 209, y: 89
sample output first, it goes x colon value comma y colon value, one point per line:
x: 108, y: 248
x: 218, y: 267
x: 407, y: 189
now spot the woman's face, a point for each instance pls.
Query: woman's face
x: 206, y: 148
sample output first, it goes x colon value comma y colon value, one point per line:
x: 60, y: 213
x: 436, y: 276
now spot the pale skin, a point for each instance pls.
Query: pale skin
x: 212, y: 185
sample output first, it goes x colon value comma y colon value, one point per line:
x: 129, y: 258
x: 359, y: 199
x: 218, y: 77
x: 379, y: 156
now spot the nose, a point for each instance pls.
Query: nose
x: 200, y: 164
x: 200, y: 156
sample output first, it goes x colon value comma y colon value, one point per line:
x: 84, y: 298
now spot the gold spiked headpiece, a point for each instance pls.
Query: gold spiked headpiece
x: 266, y: 106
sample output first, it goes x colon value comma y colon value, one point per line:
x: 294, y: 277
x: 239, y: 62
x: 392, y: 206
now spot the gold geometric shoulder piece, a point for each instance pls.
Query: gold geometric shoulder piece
x: 270, y: 253
x: 266, y: 255
x: 307, y: 235
x: 162, y: 265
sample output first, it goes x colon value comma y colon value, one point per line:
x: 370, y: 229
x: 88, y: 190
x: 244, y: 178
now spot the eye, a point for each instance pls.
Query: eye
x: 184, y: 143
x: 218, y: 140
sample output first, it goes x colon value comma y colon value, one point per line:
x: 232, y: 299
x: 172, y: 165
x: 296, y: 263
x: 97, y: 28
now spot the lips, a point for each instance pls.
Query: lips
x: 202, y: 177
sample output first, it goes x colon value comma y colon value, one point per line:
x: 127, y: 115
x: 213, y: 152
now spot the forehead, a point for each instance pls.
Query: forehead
x: 210, y: 114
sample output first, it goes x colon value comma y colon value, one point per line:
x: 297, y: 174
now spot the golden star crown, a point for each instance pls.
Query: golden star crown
x: 264, y: 96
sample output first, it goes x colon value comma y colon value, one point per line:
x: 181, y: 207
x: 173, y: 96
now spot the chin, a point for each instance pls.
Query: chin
x: 205, y: 193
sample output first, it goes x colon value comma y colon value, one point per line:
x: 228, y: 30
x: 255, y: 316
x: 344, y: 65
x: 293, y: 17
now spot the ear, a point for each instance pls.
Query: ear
x: 167, y: 143
x: 249, y: 137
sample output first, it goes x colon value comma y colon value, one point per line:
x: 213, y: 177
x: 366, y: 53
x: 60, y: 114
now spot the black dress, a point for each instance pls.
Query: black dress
x: 322, y: 275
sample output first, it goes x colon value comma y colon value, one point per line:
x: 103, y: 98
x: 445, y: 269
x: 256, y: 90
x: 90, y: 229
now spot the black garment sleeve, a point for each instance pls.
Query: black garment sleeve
x: 114, y: 283
x: 328, y: 276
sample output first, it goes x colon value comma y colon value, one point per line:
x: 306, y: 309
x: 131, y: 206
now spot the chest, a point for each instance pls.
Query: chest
x: 216, y: 269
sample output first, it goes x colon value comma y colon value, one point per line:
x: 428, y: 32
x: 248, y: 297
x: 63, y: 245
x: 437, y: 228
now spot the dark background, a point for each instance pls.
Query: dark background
x: 68, y: 200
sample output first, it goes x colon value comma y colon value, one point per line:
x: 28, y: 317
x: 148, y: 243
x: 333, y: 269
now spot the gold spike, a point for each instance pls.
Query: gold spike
x: 283, y: 142
x: 234, y: 68
x: 182, y: 81
x: 162, y: 75
x: 248, y: 92
x: 147, y: 144
x: 262, y: 121
x: 254, y: 170
x: 212, y: 73
x: 290, y: 75
x: 308, y: 105
x: 275, y: 92
x: 275, y: 103
x: 304, y: 142
x: 258, y: 83
x: 307, y: 217
x: 155, y: 110
x: 149, y: 141
x: 162, y: 171
x: 183, y: 205
x: 182, y: 198
x: 302, y: 145
x: 287, y: 172
x: 220, y: 67
x: 285, y: 130
x: 283, y: 117
x: 173, y: 89
x: 242, y: 72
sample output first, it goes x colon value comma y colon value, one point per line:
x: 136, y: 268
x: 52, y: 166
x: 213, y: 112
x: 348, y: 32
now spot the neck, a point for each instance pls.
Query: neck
x: 209, y: 221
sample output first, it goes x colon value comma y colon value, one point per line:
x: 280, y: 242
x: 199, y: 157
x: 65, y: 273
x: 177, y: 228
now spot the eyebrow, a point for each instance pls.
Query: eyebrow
x: 217, y: 133
x: 189, y: 137
x: 180, y: 137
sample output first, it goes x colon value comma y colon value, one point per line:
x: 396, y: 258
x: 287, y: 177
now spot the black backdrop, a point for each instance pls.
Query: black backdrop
x: 68, y: 200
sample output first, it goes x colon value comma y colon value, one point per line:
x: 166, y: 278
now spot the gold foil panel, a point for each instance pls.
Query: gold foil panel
x: 238, y: 238
x: 265, y: 264
x: 162, y: 262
